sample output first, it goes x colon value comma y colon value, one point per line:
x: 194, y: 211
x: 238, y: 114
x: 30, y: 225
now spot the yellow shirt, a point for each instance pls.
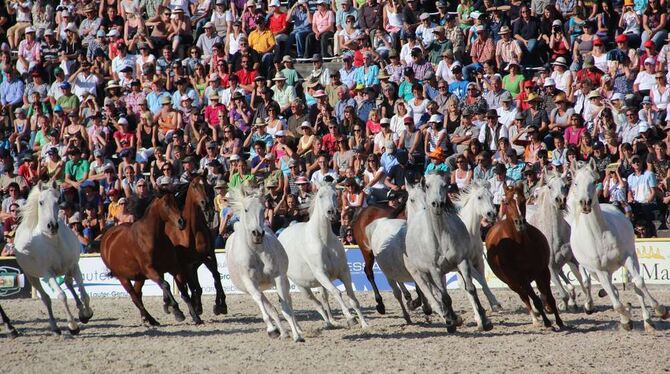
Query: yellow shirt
x: 262, y: 41
x: 218, y: 203
x: 113, y: 211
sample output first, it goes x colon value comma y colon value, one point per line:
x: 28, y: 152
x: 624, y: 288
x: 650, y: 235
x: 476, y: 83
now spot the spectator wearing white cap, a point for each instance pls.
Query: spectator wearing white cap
x: 424, y: 32
x: 207, y: 40
x: 323, y: 30
x: 645, y: 79
x: 83, y: 81
x: 222, y: 18
x: 29, y: 50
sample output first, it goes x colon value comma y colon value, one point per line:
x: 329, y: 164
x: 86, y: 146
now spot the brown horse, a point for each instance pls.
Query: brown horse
x: 360, y: 222
x: 198, y: 212
x: 518, y: 254
x: 8, y: 325
x: 146, y: 249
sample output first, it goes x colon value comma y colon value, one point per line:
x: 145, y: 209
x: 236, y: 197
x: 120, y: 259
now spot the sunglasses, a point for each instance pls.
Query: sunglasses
x: 357, y: 130
x: 12, y: 211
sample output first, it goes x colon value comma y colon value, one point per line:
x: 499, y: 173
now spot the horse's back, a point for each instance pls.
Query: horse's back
x: 387, y: 241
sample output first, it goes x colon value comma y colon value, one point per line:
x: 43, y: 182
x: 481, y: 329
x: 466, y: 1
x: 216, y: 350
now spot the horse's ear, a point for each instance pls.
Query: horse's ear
x: 422, y: 182
x: 592, y: 164
x: 54, y: 185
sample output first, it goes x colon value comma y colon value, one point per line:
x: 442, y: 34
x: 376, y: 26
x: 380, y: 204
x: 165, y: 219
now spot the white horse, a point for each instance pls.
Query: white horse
x: 474, y: 204
x: 47, y: 248
x: 387, y: 241
x: 603, y: 240
x: 437, y: 242
x: 317, y: 256
x: 257, y: 262
x: 548, y: 217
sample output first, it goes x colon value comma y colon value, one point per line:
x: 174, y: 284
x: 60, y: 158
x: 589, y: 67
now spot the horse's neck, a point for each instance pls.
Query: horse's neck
x: 149, y: 224
x: 319, y: 224
x: 471, y: 219
x: 197, y: 217
x: 548, y: 213
x: 594, y: 221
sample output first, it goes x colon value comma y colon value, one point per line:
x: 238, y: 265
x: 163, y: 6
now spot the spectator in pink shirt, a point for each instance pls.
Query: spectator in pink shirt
x: 574, y: 132
x: 323, y: 29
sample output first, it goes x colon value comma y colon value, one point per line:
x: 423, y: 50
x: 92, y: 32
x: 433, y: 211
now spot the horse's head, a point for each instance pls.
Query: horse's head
x: 416, y: 198
x: 557, y: 188
x: 514, y: 206
x: 437, y: 199
x: 584, y: 186
x: 47, y: 198
x: 199, y: 193
x: 325, y: 199
x: 248, y: 206
x: 169, y: 212
x: 481, y: 198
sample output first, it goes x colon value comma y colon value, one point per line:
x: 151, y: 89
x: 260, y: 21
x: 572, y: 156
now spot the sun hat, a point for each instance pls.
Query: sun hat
x: 559, y: 98
x: 560, y: 61
x: 549, y: 82
x: 504, y: 30
x: 595, y: 94
x: 279, y: 77
x: 532, y: 97
x: 438, y: 153
x: 435, y: 118
x: 301, y: 180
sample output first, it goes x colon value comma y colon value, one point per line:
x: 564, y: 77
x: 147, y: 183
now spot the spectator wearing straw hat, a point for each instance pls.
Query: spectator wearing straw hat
x: 507, y: 49
x: 283, y: 94
x: 207, y: 40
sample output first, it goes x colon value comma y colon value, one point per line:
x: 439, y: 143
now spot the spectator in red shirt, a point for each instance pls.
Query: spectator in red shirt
x: 278, y: 24
x: 589, y: 71
x: 28, y: 170
x: 246, y: 75
x: 123, y: 137
x: 329, y: 141
x: 213, y: 109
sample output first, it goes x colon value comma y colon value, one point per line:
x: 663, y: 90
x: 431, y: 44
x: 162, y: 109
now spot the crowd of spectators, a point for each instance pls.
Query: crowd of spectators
x: 114, y: 100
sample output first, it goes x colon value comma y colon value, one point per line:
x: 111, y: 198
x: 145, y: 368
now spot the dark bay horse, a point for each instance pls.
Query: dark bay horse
x: 198, y: 210
x: 518, y: 254
x: 366, y: 216
x: 8, y: 325
x: 146, y: 249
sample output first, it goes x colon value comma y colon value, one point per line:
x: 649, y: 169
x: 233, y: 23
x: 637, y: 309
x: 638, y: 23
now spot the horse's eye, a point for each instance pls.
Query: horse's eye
x: 549, y: 187
x: 41, y: 202
x: 479, y: 198
x: 246, y: 210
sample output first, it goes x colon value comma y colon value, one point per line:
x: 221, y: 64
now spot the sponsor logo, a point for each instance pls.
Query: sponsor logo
x: 11, y: 281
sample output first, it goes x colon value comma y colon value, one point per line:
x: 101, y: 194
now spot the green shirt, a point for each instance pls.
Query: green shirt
x: 68, y: 102
x: 41, y: 139
x: 77, y: 170
x: 237, y: 179
x: 291, y: 76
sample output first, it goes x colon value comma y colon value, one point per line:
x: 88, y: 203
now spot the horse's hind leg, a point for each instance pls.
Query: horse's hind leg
x: 422, y: 301
x: 440, y: 284
x: 572, y: 301
x: 273, y: 314
x: 183, y: 291
x: 345, y: 277
x: 71, y: 323
x: 282, y: 285
x: 86, y: 312
x: 565, y: 297
x: 35, y: 282
x: 480, y: 315
x: 544, y: 286
x: 194, y: 285
x: 324, y: 281
x: 324, y: 302
x: 398, y: 295
x: 369, y: 259
x: 135, y: 292
x: 220, y: 306
x: 168, y: 298
x: 257, y: 296
x: 606, y: 282
x: 479, y: 274
x: 5, y: 320
x: 423, y: 281
x: 643, y: 293
x: 317, y: 305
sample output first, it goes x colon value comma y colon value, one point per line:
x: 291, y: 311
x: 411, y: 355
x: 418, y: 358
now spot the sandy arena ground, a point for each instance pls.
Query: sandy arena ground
x: 116, y: 342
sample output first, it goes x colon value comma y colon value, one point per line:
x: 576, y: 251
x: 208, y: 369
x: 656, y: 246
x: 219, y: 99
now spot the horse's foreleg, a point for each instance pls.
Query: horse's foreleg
x: 643, y: 293
x: 168, y: 298
x: 71, y: 323
x: 273, y: 314
x: 194, y: 284
x: 544, y: 286
x: 423, y: 281
x: 369, y: 259
x: 397, y: 293
x: 324, y: 302
x: 317, y: 305
x: 441, y: 293
x: 345, y: 277
x: 85, y: 313
x: 282, y: 285
x: 565, y: 297
x: 136, y: 297
x: 480, y: 315
x: 537, y: 302
x: 322, y: 278
x: 183, y: 291
x: 586, y: 287
x: 220, y: 306
x: 47, y: 303
x: 606, y: 283
x: 8, y: 324
x: 257, y: 296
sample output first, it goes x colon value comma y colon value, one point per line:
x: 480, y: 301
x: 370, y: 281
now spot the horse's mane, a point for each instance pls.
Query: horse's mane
x: 467, y: 193
x: 29, y: 212
x: 240, y: 195
x: 312, y: 202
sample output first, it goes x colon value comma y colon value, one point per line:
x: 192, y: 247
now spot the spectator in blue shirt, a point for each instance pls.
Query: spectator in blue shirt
x: 301, y: 18
x: 11, y: 91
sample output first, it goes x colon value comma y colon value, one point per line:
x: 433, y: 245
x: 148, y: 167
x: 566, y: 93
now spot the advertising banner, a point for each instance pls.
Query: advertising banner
x: 13, y: 283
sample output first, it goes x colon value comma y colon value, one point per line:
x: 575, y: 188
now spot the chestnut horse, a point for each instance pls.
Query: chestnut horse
x: 144, y: 250
x: 518, y: 254
x: 8, y: 325
x: 365, y: 217
x: 198, y: 211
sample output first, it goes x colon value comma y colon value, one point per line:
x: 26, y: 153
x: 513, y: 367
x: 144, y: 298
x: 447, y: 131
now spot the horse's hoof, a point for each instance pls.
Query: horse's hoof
x: 83, y: 318
x: 413, y: 304
x: 626, y: 326
x: 56, y: 332
x: 13, y: 334
x: 198, y: 321
x: 178, y: 315
x: 661, y: 311
x: 299, y: 339
x: 329, y: 326
x: 649, y: 326
x: 488, y: 326
x: 588, y: 309
x: 451, y: 328
x: 150, y: 322
x: 167, y: 308
x: 381, y: 308
x: 459, y: 321
x: 219, y: 309
x: 198, y: 308
x: 74, y: 331
x: 274, y: 333
x: 573, y: 308
x: 427, y: 310
x: 496, y: 308
x: 351, y: 322
x: 602, y: 293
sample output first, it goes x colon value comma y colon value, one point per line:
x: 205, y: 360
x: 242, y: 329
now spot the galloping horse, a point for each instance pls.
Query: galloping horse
x: 8, y: 325
x: 257, y: 262
x: 518, y: 254
x: 146, y: 249
x: 198, y: 206
x: 46, y: 248
x: 365, y: 217
x: 603, y: 240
